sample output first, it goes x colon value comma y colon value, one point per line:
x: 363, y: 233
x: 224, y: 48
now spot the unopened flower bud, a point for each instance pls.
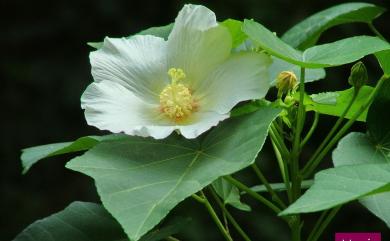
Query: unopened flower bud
x: 286, y: 81
x: 358, y: 76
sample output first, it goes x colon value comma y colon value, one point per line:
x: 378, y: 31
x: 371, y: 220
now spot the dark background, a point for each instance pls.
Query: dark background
x: 44, y: 68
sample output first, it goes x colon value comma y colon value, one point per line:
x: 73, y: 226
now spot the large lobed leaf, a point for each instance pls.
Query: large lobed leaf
x: 358, y: 148
x: 337, y: 53
x: 140, y: 180
x: 306, y: 33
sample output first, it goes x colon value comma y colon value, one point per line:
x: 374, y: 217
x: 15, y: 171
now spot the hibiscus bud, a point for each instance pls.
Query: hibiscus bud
x: 358, y: 76
x: 286, y: 81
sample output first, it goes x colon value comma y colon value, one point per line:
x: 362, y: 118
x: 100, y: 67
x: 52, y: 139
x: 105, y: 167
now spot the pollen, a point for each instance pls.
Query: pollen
x: 176, y: 100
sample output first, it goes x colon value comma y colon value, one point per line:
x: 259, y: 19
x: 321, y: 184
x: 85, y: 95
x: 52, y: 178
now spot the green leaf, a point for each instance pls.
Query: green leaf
x: 32, y: 155
x: 337, y: 53
x: 140, y: 180
x: 343, y: 98
x: 80, y: 221
x: 336, y: 186
x: 229, y: 194
x: 344, y: 51
x: 378, y: 116
x: 355, y: 149
x: 306, y: 33
x: 279, y: 65
x: 384, y: 61
x: 234, y: 27
x: 161, y: 31
x: 271, y: 43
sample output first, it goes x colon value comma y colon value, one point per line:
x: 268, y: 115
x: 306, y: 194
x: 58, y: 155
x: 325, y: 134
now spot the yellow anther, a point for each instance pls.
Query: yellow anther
x: 176, y: 100
x: 176, y: 75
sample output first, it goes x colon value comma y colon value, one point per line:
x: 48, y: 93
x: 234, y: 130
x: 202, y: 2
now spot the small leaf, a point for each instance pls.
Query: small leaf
x: 161, y: 31
x: 336, y: 186
x: 306, y: 33
x: 32, y: 155
x: 229, y: 194
x: 139, y: 186
x: 234, y: 27
x: 384, y: 61
x: 80, y: 221
x: 342, y: 101
x: 355, y: 149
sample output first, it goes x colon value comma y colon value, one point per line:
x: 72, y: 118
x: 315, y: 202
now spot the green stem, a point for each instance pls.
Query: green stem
x: 345, y: 128
x: 283, y: 170
x: 332, y: 131
x: 255, y: 195
x: 325, y: 223
x: 264, y: 180
x: 274, y: 133
x: 375, y: 31
x: 197, y: 198
x: 312, y: 129
x: 297, y: 138
x: 296, y: 149
x: 215, y: 218
x: 229, y: 216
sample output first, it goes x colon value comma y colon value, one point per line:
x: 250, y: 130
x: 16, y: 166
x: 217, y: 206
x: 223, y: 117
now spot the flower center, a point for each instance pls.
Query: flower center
x: 176, y: 100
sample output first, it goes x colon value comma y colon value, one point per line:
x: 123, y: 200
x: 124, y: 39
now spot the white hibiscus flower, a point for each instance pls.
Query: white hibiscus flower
x: 147, y: 86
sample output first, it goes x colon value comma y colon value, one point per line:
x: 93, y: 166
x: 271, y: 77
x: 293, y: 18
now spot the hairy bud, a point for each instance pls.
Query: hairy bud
x: 286, y: 81
x: 358, y: 76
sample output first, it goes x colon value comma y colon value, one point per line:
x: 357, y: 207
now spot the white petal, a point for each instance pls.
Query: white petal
x: 200, y: 122
x: 138, y: 63
x: 197, y: 44
x: 243, y: 76
x: 110, y: 106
